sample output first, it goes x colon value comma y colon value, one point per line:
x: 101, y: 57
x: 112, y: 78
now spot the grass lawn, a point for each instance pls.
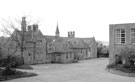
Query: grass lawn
x: 17, y: 74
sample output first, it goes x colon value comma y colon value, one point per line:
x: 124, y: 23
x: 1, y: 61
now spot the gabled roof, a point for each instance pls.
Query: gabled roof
x: 49, y: 38
x: 88, y: 41
x: 72, y: 42
x: 29, y: 37
x: 77, y: 43
x: 60, y: 46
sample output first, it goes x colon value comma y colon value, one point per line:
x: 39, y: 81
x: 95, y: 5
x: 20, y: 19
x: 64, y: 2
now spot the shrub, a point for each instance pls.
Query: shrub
x: 123, y: 67
x: 111, y: 66
x: 130, y: 67
x: 8, y: 71
x: 13, y: 60
x: 128, y: 54
x: 14, y: 74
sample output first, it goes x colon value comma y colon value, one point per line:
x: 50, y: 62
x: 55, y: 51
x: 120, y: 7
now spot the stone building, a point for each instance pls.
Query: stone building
x: 121, y: 35
x: 34, y: 43
x: 79, y: 48
x: 60, y: 51
x: 39, y: 48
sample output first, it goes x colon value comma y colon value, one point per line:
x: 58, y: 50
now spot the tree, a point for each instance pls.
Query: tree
x: 16, y: 38
x: 102, y: 50
x: 128, y: 55
x: 2, y: 45
x: 99, y: 49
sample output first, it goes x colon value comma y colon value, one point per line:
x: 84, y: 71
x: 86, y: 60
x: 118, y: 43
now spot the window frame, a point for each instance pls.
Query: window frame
x: 132, y: 37
x: 119, y: 39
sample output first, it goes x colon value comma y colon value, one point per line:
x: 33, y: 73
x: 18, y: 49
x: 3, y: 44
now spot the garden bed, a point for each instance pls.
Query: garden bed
x: 122, y: 70
x: 17, y: 74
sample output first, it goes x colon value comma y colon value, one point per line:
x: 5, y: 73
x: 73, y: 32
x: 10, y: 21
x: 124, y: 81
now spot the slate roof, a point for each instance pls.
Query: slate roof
x: 65, y: 44
x: 49, y: 38
x: 88, y: 41
x: 61, y: 46
x: 77, y: 43
x: 29, y: 35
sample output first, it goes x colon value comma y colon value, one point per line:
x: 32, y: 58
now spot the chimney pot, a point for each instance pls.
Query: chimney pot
x: 29, y: 28
x: 23, y: 24
x: 23, y: 18
x: 35, y: 27
x: 73, y: 34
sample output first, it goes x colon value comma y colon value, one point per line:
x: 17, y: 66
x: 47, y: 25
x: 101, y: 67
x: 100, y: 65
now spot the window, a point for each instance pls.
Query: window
x: 120, y: 36
x: 39, y: 43
x: 133, y: 35
x: 81, y: 51
x: 70, y: 55
x: 29, y: 54
x: 76, y: 42
x: 90, y: 49
x: 66, y: 56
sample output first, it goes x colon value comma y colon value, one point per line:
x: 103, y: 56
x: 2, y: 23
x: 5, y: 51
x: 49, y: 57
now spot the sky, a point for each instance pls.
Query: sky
x: 88, y: 18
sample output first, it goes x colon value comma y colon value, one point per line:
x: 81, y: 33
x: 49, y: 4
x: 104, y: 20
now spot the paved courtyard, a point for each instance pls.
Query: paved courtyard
x: 92, y: 70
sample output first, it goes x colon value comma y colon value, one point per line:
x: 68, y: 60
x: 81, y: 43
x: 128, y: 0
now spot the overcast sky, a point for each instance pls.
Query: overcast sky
x: 87, y: 18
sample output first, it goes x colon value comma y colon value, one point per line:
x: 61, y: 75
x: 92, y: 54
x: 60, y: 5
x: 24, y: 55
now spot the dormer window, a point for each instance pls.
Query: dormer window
x: 53, y: 41
x: 75, y: 42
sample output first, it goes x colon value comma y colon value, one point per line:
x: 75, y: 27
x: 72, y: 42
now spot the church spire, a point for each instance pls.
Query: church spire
x: 57, y: 30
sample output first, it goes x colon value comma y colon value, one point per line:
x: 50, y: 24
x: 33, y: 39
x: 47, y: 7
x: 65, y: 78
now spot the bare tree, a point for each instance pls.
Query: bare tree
x: 16, y: 36
x: 10, y: 29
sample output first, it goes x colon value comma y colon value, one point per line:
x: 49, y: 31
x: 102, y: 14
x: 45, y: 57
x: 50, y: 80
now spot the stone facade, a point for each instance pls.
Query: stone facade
x: 120, y: 36
x: 39, y: 48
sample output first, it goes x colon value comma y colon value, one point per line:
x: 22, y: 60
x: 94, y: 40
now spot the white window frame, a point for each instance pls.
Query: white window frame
x: 131, y: 37
x: 120, y: 36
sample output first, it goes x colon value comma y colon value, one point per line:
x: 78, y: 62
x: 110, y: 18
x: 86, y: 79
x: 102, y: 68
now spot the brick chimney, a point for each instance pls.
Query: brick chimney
x: 23, y: 24
x: 73, y: 34
x: 35, y: 27
x: 68, y: 34
x: 29, y: 28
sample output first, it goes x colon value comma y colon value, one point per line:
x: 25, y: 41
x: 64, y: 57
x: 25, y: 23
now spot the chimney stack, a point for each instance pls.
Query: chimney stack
x: 29, y: 28
x: 73, y: 34
x: 68, y: 34
x: 23, y: 24
x: 35, y: 27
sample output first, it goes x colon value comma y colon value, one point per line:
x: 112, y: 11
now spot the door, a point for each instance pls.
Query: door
x: 58, y: 58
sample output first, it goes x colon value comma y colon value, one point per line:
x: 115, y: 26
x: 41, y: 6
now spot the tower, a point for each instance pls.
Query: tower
x: 57, y: 31
x: 23, y: 24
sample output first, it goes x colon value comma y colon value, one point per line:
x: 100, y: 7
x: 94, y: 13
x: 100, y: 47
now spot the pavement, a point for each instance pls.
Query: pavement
x: 92, y: 70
